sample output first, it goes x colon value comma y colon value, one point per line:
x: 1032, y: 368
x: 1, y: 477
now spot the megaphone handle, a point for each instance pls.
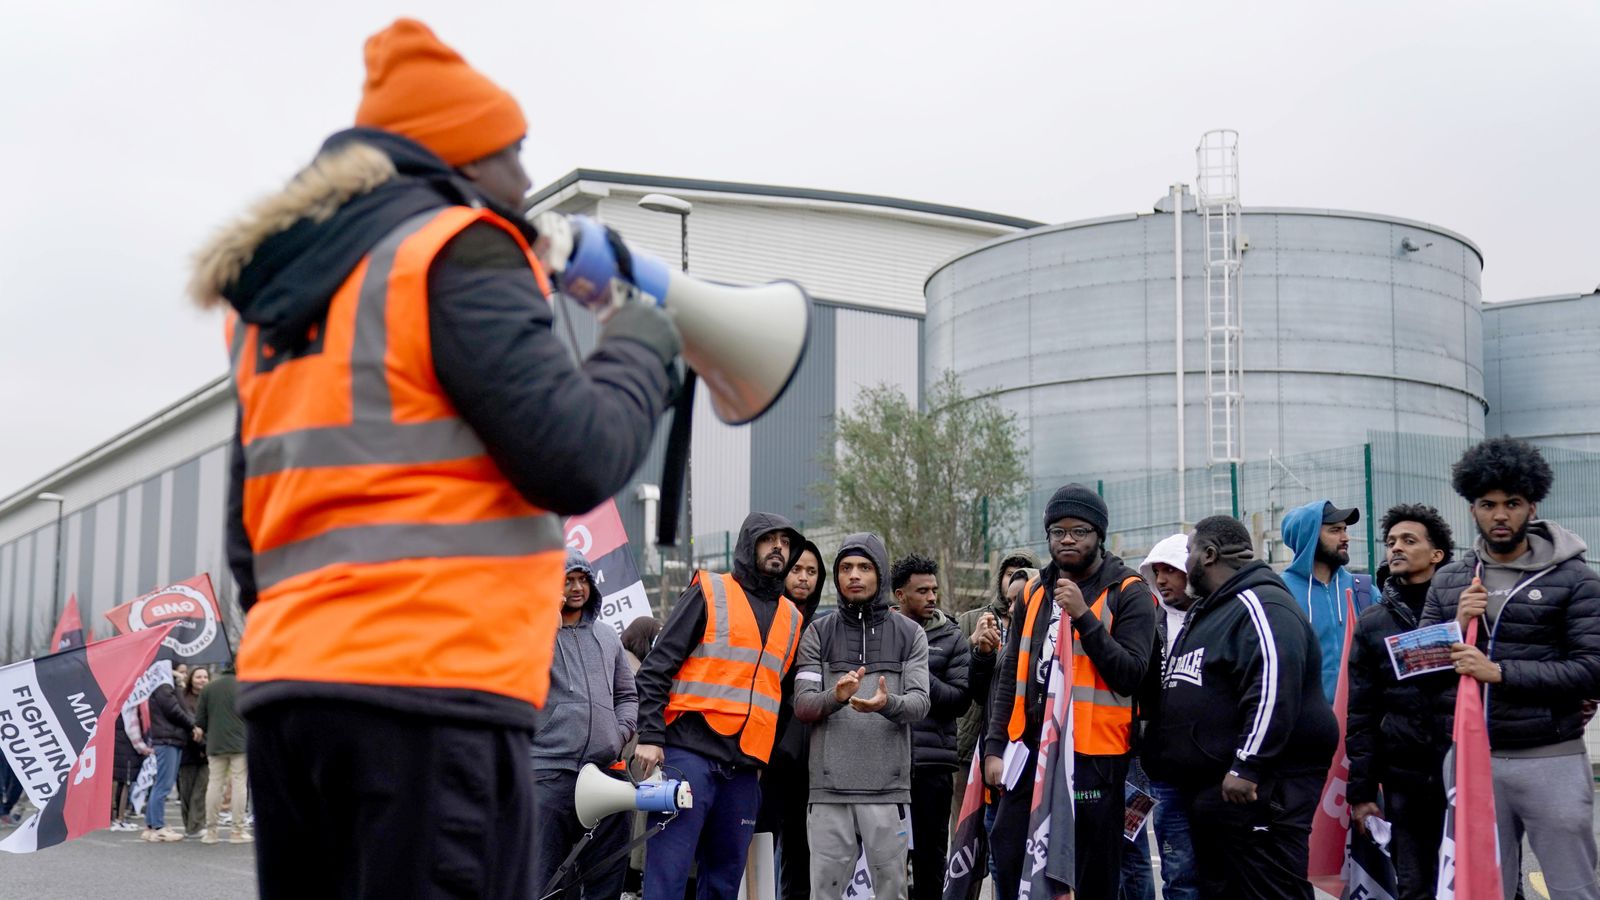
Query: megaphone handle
x: 676, y: 464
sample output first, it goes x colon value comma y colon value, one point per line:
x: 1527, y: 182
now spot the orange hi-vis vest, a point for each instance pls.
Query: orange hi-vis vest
x: 1102, y: 720
x: 389, y: 549
x: 732, y: 678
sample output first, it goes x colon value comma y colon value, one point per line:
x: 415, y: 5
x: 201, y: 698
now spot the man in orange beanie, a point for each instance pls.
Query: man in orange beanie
x: 409, y: 430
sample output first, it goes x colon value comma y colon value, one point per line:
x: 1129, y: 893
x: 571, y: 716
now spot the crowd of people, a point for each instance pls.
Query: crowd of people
x: 410, y: 430
x: 1202, y: 677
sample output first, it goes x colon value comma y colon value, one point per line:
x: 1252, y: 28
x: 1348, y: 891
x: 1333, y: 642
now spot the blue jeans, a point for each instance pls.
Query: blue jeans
x: 155, y: 810
x: 715, y: 832
x: 1170, y: 819
x: 1138, y: 883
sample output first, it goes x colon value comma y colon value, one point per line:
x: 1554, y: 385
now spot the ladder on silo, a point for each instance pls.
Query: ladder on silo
x: 1218, y: 200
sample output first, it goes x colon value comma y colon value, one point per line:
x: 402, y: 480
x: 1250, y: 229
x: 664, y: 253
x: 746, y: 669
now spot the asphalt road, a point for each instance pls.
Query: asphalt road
x: 108, y: 863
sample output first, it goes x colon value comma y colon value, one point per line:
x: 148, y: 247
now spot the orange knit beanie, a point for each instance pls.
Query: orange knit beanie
x: 419, y: 88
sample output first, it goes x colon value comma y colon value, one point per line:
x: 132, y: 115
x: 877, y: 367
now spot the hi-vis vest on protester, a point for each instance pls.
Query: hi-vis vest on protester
x: 389, y: 548
x: 1102, y: 720
x: 732, y: 678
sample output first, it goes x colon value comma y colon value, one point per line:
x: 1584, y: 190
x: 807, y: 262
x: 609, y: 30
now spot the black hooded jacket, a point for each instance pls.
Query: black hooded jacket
x: 790, y: 747
x: 1242, y: 690
x: 565, y: 437
x: 1394, y: 729
x: 1121, y: 655
x: 686, y: 628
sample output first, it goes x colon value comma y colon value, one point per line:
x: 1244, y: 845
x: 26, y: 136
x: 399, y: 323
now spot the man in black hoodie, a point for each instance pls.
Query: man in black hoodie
x: 709, y: 707
x: 1086, y: 587
x: 1243, y: 728
x: 1394, y: 735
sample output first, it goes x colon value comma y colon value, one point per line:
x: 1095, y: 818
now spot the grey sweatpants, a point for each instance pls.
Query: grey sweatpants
x: 834, y: 829
x: 1552, y: 801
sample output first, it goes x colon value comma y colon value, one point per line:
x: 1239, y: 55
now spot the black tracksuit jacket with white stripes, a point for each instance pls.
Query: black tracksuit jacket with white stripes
x: 1242, y: 690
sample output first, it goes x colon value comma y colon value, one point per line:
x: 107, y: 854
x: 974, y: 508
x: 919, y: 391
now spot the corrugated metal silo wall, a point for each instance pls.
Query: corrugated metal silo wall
x: 1071, y: 328
x: 1540, y: 359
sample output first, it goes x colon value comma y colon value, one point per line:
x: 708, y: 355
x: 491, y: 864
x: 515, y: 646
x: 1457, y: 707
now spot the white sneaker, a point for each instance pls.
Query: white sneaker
x: 170, y: 834
x: 225, y: 818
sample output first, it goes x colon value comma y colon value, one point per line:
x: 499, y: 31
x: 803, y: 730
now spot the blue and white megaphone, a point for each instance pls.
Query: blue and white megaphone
x: 598, y: 795
x: 744, y: 342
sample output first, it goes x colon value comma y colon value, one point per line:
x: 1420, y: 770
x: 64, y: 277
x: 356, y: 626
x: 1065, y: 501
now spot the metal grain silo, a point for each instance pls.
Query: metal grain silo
x: 1540, y: 359
x: 1352, y: 322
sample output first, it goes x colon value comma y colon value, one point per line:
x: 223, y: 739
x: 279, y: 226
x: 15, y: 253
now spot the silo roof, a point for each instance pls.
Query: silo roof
x: 1248, y: 211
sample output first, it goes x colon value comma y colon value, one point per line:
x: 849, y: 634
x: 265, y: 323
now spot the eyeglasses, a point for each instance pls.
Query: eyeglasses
x: 1078, y: 534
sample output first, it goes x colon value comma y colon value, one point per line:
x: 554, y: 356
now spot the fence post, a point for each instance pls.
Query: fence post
x: 1233, y: 483
x: 1371, y: 516
x: 985, y: 528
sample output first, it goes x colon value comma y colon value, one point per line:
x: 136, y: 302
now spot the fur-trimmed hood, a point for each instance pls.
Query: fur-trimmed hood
x: 280, y: 263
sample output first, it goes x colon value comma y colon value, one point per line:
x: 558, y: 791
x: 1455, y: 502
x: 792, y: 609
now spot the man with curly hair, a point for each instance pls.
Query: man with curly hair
x: 1537, y: 655
x: 1393, y: 737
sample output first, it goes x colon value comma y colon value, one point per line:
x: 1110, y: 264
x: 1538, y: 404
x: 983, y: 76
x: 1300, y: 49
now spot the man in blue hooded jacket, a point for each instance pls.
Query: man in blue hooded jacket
x: 1319, y: 536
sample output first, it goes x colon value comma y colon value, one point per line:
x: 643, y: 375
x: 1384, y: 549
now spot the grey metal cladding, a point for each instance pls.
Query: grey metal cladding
x: 149, y: 534
x: 1346, y: 332
x: 86, y: 561
x: 185, y: 520
x: 784, y: 469
x: 1539, y: 366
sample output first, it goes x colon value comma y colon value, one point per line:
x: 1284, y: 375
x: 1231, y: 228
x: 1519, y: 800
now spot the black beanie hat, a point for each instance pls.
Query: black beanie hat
x: 1078, y: 502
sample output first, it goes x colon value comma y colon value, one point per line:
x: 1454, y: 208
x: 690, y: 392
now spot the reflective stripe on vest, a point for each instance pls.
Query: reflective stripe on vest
x: 388, y: 547
x: 1102, y: 718
x: 733, y: 678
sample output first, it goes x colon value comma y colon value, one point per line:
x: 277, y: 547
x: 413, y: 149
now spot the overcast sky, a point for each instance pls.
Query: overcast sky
x: 128, y: 131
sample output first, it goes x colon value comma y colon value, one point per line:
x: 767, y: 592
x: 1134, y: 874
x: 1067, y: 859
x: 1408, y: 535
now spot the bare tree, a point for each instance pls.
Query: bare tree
x: 940, y: 481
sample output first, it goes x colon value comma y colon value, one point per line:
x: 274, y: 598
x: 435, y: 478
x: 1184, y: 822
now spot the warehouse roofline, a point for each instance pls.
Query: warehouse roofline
x: 671, y: 183
x: 1496, y: 305
x: 1248, y: 211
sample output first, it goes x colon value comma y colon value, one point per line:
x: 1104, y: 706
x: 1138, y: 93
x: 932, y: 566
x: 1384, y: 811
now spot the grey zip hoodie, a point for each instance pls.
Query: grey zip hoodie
x: 592, y: 709
x: 858, y: 757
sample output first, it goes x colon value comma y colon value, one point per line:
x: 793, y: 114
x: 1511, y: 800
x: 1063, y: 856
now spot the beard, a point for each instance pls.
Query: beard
x: 1334, y: 557
x: 1510, y: 543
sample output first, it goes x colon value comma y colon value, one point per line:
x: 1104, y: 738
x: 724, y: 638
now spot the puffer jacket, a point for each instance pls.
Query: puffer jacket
x: 170, y: 724
x: 1546, y: 640
x: 1393, y: 727
x: 862, y: 757
x: 933, y: 739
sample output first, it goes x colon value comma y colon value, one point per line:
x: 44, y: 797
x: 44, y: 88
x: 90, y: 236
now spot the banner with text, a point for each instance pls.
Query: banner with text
x: 52, y: 709
x: 191, y: 608
x: 600, y: 537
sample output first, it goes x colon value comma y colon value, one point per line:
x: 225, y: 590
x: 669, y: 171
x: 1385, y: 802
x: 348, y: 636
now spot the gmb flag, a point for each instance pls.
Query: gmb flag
x: 58, y: 718
x: 191, y: 608
x: 599, y: 536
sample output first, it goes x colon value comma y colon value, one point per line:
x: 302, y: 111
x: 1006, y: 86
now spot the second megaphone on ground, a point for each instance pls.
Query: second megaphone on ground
x: 745, y: 342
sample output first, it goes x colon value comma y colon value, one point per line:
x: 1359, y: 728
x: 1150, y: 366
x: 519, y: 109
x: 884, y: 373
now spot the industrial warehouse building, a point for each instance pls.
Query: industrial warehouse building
x: 1369, y: 362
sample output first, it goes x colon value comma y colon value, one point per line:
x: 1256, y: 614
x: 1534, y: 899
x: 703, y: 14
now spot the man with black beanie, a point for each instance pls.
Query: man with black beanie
x: 1090, y: 588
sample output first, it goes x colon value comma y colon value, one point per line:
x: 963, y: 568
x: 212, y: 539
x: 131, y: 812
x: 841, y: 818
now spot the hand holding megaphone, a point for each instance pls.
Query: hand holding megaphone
x: 744, y: 342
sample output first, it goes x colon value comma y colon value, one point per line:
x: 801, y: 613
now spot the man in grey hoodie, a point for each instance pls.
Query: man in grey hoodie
x: 862, y: 681
x: 588, y: 716
x: 1536, y: 657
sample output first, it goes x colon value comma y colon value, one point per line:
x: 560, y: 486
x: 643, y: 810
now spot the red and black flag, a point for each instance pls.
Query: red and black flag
x: 598, y: 534
x: 1049, y: 861
x: 964, y: 870
x: 191, y: 608
x: 58, y: 717
x: 69, y: 631
x: 1469, y: 856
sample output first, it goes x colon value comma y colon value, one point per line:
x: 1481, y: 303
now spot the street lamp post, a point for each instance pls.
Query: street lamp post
x: 677, y: 206
x: 55, y: 598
